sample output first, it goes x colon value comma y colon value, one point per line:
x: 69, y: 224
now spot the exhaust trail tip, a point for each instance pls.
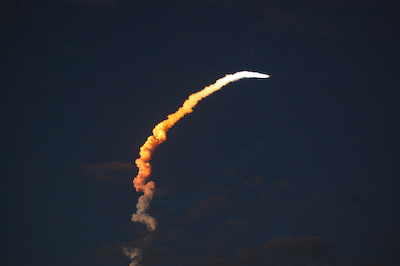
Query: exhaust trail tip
x: 251, y: 74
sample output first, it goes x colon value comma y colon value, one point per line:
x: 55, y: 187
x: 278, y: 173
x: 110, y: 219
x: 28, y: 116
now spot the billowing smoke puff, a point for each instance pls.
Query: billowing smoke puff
x: 134, y: 254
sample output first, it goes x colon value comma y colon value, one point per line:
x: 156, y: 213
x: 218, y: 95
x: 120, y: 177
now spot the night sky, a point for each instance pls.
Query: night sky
x: 300, y: 169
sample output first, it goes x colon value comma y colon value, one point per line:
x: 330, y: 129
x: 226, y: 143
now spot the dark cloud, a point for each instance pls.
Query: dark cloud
x: 292, y: 250
x: 110, y: 255
x: 301, y: 247
x: 392, y: 244
x: 244, y: 256
x: 247, y: 256
x: 105, y: 172
x: 206, y: 207
x: 156, y: 255
x: 236, y: 224
x: 235, y: 228
x: 390, y: 250
x: 188, y: 262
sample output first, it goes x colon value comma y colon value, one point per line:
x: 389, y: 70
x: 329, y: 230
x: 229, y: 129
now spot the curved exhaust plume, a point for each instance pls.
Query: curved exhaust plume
x: 160, y: 135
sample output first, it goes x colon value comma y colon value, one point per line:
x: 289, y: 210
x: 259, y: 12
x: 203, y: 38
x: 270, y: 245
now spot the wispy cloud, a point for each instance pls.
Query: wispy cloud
x: 105, y: 172
x: 206, y: 207
x: 302, y: 247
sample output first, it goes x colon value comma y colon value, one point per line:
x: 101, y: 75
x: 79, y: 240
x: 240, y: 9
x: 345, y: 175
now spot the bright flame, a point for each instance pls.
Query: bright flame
x: 160, y: 135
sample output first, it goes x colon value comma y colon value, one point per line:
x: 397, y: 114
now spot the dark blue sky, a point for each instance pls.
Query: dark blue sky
x: 300, y: 169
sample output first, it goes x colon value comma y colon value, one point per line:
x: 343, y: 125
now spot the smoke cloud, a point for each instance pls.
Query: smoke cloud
x: 134, y: 254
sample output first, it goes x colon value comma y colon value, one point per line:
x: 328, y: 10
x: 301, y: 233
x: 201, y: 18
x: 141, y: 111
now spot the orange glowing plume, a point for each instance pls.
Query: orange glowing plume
x: 160, y: 135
